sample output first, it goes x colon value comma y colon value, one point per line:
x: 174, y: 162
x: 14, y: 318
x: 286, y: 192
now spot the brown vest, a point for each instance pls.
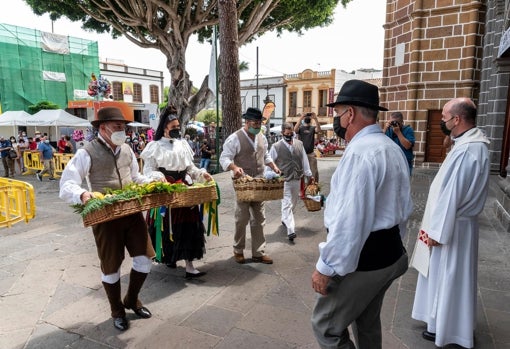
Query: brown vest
x: 291, y: 164
x: 250, y: 160
x: 106, y: 169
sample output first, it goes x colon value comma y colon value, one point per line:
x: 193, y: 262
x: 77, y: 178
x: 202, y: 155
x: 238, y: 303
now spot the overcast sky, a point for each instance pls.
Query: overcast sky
x: 355, y: 40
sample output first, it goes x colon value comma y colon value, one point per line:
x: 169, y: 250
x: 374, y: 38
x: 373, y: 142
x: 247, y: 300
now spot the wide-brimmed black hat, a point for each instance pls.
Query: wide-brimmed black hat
x: 108, y: 114
x: 252, y: 114
x: 358, y: 92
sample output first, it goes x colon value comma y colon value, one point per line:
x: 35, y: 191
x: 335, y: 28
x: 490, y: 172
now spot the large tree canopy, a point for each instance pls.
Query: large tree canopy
x: 168, y: 25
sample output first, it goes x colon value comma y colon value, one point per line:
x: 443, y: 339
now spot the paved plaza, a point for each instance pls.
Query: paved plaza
x: 51, y: 294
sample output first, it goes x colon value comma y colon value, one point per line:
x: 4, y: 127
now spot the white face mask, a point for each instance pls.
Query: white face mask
x: 117, y: 137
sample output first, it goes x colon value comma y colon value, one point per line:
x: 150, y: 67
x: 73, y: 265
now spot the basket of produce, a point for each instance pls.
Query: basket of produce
x: 313, y: 197
x: 258, y: 189
x: 137, y: 198
x: 195, y: 195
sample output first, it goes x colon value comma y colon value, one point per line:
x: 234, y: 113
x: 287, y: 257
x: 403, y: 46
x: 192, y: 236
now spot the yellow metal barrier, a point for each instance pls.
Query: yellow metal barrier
x: 33, y: 161
x: 61, y: 161
x: 17, y: 202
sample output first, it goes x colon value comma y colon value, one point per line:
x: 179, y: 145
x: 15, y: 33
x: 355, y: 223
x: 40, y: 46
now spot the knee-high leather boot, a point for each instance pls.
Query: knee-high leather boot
x: 113, y: 293
x: 131, y: 301
x: 118, y: 313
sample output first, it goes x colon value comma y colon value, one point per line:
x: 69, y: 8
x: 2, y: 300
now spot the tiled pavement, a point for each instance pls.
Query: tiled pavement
x: 51, y: 295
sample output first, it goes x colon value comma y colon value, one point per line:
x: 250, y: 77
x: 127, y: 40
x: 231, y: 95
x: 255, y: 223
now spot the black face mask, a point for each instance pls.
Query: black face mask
x: 446, y: 131
x: 339, y: 129
x: 175, y: 133
x: 307, y: 120
x: 287, y: 138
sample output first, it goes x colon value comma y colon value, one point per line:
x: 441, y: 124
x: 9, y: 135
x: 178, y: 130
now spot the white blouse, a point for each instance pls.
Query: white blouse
x: 172, y: 155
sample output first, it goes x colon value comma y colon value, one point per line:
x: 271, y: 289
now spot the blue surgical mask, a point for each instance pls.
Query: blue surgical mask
x: 253, y: 130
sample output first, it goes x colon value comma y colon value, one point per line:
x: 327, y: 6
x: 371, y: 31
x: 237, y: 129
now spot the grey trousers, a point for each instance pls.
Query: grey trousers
x: 356, y: 299
x: 252, y: 212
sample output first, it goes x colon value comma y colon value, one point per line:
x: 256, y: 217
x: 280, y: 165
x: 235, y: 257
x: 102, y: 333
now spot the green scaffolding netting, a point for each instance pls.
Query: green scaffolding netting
x: 23, y: 61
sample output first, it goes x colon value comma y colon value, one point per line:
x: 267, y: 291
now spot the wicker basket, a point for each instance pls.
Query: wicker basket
x: 312, y: 205
x: 194, y: 196
x: 190, y: 197
x: 258, y: 189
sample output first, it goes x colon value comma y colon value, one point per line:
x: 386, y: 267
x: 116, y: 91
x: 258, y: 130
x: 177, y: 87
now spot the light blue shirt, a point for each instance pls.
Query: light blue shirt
x: 370, y: 191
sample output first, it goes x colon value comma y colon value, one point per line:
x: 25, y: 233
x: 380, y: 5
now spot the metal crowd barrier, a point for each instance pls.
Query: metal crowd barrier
x: 17, y: 202
x: 33, y: 161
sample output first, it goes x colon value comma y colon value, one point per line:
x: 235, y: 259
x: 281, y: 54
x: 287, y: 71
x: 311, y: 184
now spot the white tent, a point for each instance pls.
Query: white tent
x: 138, y: 124
x: 13, y: 118
x: 327, y: 127
x: 56, y: 117
x: 276, y: 129
x: 53, y: 117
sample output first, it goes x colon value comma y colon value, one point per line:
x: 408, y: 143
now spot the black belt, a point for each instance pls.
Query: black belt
x: 174, y: 175
x: 382, y: 249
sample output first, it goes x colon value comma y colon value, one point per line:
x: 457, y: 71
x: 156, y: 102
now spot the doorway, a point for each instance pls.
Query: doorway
x: 434, y: 150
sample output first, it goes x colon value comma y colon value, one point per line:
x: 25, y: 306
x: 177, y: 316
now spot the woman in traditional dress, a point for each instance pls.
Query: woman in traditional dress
x: 171, y: 157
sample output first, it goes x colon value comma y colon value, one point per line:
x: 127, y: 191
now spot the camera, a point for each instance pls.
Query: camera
x: 394, y: 123
x: 308, y: 114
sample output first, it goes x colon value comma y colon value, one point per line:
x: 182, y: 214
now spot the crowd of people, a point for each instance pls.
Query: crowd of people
x: 365, y: 216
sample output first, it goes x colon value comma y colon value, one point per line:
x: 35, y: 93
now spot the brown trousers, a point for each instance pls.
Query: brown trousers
x: 113, y: 237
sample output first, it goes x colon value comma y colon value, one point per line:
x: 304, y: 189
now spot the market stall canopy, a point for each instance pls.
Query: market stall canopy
x: 138, y: 124
x: 53, y: 117
x: 276, y: 129
x: 199, y: 129
x: 56, y: 117
x: 13, y: 117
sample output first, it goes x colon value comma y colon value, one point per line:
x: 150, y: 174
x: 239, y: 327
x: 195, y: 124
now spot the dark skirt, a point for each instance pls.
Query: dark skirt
x: 186, y: 240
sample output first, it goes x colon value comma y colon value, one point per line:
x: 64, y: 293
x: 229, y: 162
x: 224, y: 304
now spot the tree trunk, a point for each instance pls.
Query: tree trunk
x: 229, y: 67
x: 180, y: 90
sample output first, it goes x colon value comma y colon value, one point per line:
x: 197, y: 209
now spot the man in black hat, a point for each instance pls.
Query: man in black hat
x: 108, y: 162
x: 245, y: 153
x: 369, y: 201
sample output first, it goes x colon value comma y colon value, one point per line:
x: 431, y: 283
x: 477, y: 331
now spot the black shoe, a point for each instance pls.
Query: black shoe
x: 38, y: 177
x: 429, y: 336
x: 120, y: 323
x: 172, y: 265
x: 291, y: 237
x: 197, y: 275
x: 53, y: 179
x: 143, y: 312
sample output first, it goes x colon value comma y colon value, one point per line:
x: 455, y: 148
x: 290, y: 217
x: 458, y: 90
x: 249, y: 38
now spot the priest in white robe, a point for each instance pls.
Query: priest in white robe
x: 446, y: 298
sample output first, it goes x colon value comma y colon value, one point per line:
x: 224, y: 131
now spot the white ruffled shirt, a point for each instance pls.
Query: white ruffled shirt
x: 171, y: 154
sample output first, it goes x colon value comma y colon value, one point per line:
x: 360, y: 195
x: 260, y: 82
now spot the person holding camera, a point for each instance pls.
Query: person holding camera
x: 306, y: 133
x: 401, y: 134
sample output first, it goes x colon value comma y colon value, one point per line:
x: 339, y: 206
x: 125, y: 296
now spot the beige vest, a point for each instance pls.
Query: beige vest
x: 290, y: 163
x: 251, y: 161
x: 106, y: 169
